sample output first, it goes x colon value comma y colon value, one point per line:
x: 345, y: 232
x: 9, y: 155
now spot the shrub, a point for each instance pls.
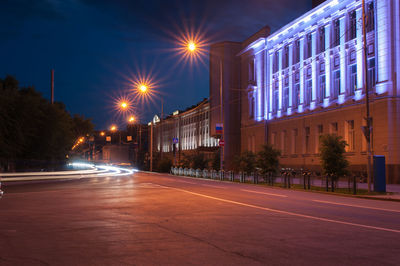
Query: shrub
x: 333, y: 161
x: 268, y: 159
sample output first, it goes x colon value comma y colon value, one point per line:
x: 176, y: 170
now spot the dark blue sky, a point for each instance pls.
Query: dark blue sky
x: 96, y: 46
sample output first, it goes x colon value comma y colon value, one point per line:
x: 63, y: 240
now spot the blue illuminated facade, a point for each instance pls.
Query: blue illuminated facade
x: 307, y: 79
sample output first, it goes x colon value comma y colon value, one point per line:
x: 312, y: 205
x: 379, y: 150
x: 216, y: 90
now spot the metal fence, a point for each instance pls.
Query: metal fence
x: 286, y: 178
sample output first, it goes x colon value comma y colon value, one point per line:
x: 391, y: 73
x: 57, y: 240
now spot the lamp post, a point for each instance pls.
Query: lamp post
x: 368, y: 127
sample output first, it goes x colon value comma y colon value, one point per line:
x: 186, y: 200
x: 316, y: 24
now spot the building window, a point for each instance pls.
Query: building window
x: 307, y: 140
x: 296, y: 95
x: 336, y: 84
x: 273, y: 139
x: 322, y: 87
x: 285, y: 62
x: 370, y: 17
x: 336, y: 32
x: 297, y: 51
x: 353, y: 79
x: 285, y: 96
x: 276, y: 97
x: 309, y: 45
x: 275, y: 66
x: 334, y: 128
x: 283, y: 142
x: 322, y: 39
x: 371, y: 73
x: 350, y: 135
x: 251, y: 105
x: 294, y: 141
x: 308, y: 92
x: 320, y: 131
x: 251, y: 70
x: 352, y: 25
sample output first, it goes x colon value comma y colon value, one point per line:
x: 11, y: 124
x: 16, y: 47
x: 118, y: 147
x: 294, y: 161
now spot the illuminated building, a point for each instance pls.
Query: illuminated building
x: 189, y: 128
x: 306, y: 79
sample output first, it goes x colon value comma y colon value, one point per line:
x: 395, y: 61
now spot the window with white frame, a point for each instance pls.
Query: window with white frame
x: 353, y: 79
x: 370, y: 17
x: 336, y: 32
x: 309, y: 45
x: 336, y: 84
x: 352, y: 25
x: 371, y: 74
x: 321, y: 39
x: 307, y: 140
x: 350, y: 135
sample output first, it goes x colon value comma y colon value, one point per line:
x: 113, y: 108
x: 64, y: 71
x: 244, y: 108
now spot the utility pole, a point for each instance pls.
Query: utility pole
x: 151, y: 146
x: 161, y: 128
x: 368, y: 128
x: 52, y: 86
x: 222, y: 115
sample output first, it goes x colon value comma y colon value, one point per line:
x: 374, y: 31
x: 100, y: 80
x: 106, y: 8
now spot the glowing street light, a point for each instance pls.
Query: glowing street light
x: 191, y: 46
x: 143, y: 88
x: 113, y: 128
x: 131, y: 119
x: 102, y: 133
x: 124, y: 105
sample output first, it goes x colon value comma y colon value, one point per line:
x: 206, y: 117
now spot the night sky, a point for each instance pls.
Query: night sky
x: 97, y: 47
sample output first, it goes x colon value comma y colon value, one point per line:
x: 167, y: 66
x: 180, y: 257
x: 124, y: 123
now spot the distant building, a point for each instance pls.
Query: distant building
x: 307, y: 79
x: 183, y: 132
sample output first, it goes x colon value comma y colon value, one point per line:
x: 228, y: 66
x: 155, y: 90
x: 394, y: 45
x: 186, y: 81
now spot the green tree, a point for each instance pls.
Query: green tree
x: 268, y: 159
x: 31, y: 128
x: 332, y: 150
x: 246, y: 162
x: 164, y: 165
x: 216, y: 161
x: 199, y: 161
x: 81, y: 126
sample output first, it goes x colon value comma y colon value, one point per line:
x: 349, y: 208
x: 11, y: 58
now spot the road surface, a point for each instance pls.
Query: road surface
x: 157, y: 219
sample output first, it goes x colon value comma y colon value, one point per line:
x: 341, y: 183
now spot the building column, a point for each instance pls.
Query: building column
x: 343, y: 65
x: 279, y: 111
x: 300, y: 108
x: 328, y: 71
x: 383, y: 46
x: 290, y: 74
x: 314, y: 70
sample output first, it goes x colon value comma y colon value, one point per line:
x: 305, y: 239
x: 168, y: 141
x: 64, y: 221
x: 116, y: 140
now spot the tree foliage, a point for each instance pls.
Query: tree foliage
x: 33, y: 128
x: 195, y: 161
x: 216, y: 161
x: 332, y: 150
x: 246, y: 162
x: 268, y: 159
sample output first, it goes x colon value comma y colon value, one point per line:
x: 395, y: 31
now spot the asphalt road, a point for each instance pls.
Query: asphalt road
x: 154, y: 219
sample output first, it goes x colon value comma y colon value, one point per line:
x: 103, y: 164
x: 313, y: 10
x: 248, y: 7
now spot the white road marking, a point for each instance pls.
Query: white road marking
x: 264, y: 193
x: 212, y: 186
x: 289, y: 213
x: 187, y: 182
x: 357, y: 206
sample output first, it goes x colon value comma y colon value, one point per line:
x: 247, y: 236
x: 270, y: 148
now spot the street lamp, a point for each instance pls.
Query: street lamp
x: 191, y: 46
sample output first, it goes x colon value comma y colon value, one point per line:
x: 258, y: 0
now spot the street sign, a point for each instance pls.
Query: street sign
x: 175, y: 140
x: 219, y: 127
x: 222, y: 143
